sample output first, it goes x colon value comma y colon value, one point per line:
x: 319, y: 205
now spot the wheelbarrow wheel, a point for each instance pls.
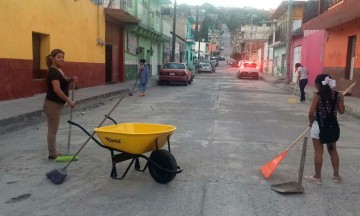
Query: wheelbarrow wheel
x: 165, y: 160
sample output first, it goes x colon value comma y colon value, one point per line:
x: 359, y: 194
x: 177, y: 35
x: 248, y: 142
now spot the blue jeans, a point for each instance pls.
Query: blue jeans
x: 142, y: 87
x: 302, y: 84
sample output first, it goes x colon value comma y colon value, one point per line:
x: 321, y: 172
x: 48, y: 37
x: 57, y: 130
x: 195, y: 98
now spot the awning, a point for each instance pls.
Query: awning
x: 121, y: 16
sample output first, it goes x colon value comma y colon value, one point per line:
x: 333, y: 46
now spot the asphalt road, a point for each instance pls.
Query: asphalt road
x: 226, y: 130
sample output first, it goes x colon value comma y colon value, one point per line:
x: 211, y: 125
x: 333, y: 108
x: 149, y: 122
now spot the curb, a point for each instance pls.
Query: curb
x: 349, y: 109
x: 21, y: 121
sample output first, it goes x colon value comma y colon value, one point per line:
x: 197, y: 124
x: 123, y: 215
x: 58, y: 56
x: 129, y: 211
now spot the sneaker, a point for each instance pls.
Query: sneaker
x: 51, y: 157
x: 313, y: 179
x: 337, y: 179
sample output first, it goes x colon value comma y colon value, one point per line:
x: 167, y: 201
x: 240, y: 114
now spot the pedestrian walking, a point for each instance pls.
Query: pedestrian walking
x: 143, y: 74
x: 57, y: 95
x: 302, y: 79
x: 325, y: 103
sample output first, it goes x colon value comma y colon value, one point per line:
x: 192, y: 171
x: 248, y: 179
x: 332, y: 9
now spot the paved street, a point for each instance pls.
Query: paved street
x: 226, y: 129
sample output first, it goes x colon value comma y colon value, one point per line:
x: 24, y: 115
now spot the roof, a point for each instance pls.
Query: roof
x: 282, y: 8
x: 121, y: 16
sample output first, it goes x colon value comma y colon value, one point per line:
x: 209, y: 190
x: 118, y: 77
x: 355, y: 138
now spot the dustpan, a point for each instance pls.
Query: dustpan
x: 294, y: 187
x: 293, y: 98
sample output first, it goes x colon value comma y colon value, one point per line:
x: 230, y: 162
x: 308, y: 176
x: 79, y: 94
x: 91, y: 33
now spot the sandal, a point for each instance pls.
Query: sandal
x: 313, y: 179
x: 337, y: 179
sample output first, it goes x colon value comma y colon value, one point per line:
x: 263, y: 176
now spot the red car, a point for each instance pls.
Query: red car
x: 175, y: 72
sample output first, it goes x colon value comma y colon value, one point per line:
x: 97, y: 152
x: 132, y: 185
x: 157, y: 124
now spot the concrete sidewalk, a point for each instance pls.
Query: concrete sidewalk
x: 352, y: 104
x: 19, y: 113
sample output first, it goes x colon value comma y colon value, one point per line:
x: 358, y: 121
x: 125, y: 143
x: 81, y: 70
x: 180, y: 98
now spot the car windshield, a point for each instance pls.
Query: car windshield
x: 250, y: 64
x: 173, y: 66
x: 205, y: 65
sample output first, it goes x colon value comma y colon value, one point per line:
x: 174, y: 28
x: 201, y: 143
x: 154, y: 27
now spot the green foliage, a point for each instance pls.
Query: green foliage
x: 232, y: 17
x: 237, y: 17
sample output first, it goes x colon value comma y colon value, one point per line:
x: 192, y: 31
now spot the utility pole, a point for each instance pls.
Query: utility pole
x: 198, y: 32
x: 251, y: 32
x: 288, y: 43
x: 174, y: 35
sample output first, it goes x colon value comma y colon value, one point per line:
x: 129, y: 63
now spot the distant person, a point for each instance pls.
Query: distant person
x: 57, y: 95
x: 143, y: 76
x: 322, y: 104
x: 302, y: 80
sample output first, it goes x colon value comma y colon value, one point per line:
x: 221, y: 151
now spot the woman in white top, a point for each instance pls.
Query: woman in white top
x: 302, y: 79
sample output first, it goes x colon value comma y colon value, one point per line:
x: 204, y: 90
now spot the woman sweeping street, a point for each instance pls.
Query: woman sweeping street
x: 325, y: 102
x: 143, y: 75
x: 57, y: 95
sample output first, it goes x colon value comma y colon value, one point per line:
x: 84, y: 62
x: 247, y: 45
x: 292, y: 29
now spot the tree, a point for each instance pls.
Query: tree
x: 236, y: 56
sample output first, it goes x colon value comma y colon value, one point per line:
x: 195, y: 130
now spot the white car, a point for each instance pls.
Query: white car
x: 205, y: 67
x: 248, y: 69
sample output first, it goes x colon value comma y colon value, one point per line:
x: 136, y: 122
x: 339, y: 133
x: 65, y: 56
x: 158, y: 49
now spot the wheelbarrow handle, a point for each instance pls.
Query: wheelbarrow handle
x: 87, y: 132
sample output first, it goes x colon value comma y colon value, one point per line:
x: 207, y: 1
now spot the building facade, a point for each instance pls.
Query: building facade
x: 341, y: 20
x: 34, y: 29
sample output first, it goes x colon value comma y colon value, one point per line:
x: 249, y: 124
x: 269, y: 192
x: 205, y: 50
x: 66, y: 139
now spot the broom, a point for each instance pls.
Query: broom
x: 293, y: 98
x: 131, y: 92
x: 57, y: 176
x: 270, y: 167
x: 68, y: 157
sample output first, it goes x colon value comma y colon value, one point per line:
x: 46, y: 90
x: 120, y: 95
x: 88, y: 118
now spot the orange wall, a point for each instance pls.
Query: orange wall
x: 337, y: 42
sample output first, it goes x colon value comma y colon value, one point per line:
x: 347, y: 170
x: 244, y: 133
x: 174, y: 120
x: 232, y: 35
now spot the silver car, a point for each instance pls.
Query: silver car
x: 205, y: 67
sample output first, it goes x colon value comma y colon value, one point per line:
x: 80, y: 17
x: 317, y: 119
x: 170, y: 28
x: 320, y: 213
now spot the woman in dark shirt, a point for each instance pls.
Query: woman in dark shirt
x: 324, y: 84
x: 57, y: 95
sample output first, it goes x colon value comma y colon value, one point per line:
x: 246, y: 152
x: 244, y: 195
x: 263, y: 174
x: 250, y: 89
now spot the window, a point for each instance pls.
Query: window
x: 41, y: 48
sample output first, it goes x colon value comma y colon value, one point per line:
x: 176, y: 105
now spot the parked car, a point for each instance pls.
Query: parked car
x: 234, y: 64
x: 205, y: 67
x: 214, y: 62
x: 248, y: 69
x: 221, y: 58
x: 175, y: 72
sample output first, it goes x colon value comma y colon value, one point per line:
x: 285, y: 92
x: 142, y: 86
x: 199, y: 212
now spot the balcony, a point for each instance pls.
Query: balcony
x: 325, y: 14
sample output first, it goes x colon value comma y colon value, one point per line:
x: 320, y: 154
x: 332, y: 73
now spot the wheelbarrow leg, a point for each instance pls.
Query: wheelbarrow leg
x: 119, y: 158
x: 137, y: 165
x: 113, y: 173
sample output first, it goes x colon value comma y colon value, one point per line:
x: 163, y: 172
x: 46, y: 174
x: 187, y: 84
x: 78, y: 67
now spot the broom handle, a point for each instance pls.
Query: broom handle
x: 350, y: 87
x: 71, y: 111
x: 93, y: 133
x: 297, y: 139
x: 295, y: 87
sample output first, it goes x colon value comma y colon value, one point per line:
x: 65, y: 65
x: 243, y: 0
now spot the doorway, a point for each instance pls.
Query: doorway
x: 108, y: 63
x: 296, y: 59
x: 350, y: 58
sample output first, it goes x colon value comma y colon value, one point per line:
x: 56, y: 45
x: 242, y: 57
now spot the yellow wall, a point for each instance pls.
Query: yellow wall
x: 71, y: 25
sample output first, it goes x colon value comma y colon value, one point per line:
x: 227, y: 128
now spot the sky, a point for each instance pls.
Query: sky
x: 259, y: 4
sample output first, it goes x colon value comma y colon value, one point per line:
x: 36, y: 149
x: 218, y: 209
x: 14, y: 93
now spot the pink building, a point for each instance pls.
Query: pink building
x: 307, y: 49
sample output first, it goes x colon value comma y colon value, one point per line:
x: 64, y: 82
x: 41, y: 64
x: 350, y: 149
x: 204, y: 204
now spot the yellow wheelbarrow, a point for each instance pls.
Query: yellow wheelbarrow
x: 129, y: 141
